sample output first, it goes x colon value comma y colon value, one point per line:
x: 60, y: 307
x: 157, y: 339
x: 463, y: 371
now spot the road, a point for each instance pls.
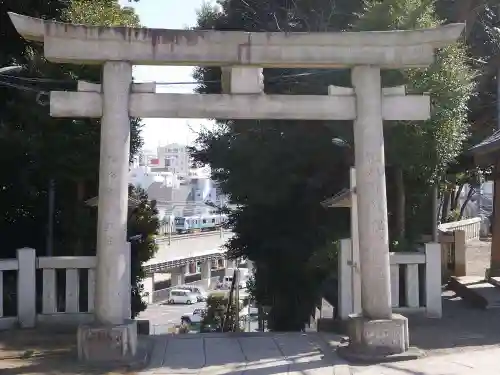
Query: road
x: 164, y: 316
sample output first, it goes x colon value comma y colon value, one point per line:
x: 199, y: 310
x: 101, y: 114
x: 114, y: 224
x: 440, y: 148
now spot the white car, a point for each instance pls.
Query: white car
x: 200, y: 293
x: 227, y: 282
x: 182, y: 296
x: 195, y: 317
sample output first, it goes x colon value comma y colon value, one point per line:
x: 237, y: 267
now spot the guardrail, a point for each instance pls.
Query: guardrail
x: 177, y: 237
x: 169, y: 264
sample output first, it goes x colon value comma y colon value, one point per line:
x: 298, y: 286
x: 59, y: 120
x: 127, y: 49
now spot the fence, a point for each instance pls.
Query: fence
x: 453, y: 238
x: 471, y: 227
x: 415, y: 281
x: 67, y: 290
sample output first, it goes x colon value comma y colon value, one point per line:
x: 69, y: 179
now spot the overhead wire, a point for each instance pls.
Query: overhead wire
x: 160, y: 83
x: 40, y: 92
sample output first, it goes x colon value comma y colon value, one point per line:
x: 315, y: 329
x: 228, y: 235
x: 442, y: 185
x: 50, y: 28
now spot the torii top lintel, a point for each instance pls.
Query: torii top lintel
x: 69, y: 43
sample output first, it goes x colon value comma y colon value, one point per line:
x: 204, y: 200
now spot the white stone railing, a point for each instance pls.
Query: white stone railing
x: 419, y: 295
x: 471, y: 227
x: 56, y: 308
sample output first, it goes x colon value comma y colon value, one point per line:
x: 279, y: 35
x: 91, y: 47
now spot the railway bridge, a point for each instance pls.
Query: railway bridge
x: 182, y: 255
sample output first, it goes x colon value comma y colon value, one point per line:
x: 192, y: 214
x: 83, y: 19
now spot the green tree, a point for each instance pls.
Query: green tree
x: 36, y: 148
x: 277, y: 173
x: 419, y: 153
x: 483, y: 46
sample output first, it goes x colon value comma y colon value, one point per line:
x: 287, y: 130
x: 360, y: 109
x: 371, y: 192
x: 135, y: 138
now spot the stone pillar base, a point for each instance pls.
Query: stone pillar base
x: 103, y: 343
x: 378, y: 340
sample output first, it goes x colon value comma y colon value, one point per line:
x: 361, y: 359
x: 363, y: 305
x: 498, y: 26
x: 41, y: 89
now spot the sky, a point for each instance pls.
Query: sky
x: 167, y: 14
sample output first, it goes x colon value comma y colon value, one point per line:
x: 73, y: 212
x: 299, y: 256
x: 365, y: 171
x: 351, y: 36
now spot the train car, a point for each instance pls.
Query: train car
x: 181, y: 224
x: 191, y: 224
x: 212, y: 222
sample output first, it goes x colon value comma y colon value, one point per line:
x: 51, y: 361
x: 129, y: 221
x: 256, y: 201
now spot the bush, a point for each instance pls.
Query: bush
x: 216, y: 314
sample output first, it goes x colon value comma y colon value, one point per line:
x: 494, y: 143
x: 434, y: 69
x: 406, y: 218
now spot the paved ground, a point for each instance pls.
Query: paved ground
x: 478, y: 257
x: 163, y: 317
x: 484, y: 362
x: 246, y: 353
x: 35, y: 352
x: 295, y: 353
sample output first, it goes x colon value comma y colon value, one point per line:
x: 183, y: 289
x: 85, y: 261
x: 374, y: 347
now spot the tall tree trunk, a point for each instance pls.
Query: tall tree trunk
x: 467, y: 199
x: 400, y: 203
x: 452, y: 200
x: 495, y: 242
x: 445, y: 206
x: 456, y: 198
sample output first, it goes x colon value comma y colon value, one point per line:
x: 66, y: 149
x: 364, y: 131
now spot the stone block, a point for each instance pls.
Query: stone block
x: 104, y: 343
x: 143, y: 327
x: 389, y: 335
x: 373, y: 341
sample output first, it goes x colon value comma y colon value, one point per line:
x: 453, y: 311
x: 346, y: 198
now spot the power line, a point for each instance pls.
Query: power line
x: 159, y: 83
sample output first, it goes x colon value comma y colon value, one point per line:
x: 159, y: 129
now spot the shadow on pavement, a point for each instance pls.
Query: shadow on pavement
x: 461, y: 327
x: 41, y: 352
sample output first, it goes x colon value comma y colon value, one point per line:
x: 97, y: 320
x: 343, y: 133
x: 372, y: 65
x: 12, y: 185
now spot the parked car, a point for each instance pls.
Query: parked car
x: 201, y: 294
x: 227, y: 281
x: 182, y: 296
x: 195, y: 317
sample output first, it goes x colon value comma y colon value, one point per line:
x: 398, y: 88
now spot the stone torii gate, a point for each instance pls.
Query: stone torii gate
x: 242, y: 56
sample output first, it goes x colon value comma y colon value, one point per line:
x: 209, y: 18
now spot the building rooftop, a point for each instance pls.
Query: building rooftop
x: 487, y: 152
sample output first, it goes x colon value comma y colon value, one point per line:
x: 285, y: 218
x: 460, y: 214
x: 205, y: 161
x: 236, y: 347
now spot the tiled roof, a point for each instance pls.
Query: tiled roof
x: 132, y: 202
x: 341, y: 199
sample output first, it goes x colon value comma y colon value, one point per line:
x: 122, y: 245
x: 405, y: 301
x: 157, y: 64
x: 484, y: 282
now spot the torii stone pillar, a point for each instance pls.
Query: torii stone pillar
x: 245, y: 54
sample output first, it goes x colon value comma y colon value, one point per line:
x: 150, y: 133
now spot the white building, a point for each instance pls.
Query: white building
x: 174, y: 158
x: 145, y: 158
x: 144, y: 177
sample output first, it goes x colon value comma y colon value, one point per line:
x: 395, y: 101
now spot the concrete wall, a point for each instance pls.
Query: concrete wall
x: 183, y: 248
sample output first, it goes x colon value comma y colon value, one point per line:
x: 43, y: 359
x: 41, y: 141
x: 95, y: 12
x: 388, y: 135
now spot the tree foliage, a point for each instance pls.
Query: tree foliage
x: 482, y: 40
x: 36, y: 148
x: 278, y: 172
x: 143, y: 222
x: 422, y: 151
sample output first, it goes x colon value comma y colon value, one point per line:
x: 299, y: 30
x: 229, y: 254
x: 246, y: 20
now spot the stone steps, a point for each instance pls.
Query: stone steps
x: 476, y: 291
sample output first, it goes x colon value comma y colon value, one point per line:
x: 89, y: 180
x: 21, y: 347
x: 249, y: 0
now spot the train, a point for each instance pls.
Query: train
x: 199, y: 223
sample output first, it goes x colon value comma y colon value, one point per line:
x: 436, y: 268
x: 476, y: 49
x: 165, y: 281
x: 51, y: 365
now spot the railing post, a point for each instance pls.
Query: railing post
x: 345, y: 279
x: 433, y: 301
x: 460, y: 253
x: 26, y: 287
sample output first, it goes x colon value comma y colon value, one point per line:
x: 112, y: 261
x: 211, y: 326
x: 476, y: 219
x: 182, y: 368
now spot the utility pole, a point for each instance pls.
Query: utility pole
x: 237, y: 295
